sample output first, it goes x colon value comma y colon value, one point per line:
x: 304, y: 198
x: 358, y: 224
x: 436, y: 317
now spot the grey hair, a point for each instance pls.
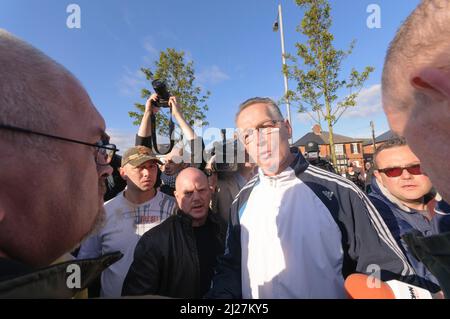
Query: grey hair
x: 418, y: 42
x: 273, y: 107
x: 32, y: 90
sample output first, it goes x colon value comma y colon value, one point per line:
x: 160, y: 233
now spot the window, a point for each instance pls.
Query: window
x: 339, y: 149
x: 355, y: 148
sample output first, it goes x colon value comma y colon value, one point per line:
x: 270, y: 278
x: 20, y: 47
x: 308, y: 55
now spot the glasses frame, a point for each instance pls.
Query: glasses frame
x: 385, y: 170
x: 257, y: 129
x: 97, y: 145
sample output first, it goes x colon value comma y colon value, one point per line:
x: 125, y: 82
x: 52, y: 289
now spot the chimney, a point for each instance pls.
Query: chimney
x: 317, y: 129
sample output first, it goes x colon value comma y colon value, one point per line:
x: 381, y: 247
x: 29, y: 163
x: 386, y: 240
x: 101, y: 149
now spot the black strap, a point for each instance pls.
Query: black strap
x: 154, y: 138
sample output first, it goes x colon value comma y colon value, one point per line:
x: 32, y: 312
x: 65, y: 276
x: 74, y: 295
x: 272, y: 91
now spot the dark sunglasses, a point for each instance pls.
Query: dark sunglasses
x: 397, y: 171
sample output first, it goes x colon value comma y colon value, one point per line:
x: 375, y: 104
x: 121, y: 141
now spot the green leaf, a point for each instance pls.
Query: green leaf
x: 179, y: 76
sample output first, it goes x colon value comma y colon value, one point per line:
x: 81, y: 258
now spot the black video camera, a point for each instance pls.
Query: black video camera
x: 228, y: 154
x: 226, y: 157
x: 163, y: 94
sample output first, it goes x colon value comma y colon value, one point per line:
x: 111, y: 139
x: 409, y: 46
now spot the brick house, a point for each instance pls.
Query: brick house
x: 379, y: 140
x: 348, y: 149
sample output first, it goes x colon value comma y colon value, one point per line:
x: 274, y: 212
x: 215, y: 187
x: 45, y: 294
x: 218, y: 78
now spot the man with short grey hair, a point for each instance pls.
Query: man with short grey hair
x: 416, y: 88
x: 55, y: 159
x: 297, y: 231
x: 416, y: 100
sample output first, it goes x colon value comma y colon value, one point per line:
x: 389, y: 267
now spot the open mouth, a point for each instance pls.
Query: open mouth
x: 197, y: 206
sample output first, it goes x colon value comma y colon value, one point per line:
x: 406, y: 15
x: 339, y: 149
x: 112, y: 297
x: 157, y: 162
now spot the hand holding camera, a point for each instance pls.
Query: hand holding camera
x: 162, y: 94
x: 176, y: 108
x: 163, y: 98
x: 151, y: 104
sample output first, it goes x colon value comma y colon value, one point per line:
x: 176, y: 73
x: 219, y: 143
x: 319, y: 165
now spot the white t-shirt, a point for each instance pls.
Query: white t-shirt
x: 124, y: 225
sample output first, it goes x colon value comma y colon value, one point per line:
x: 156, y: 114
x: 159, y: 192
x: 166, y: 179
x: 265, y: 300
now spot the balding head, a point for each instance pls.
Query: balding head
x: 420, y: 41
x: 193, y: 194
x: 37, y: 94
x: 416, y: 88
x: 29, y: 83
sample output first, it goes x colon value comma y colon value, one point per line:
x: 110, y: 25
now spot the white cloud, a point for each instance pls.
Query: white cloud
x: 304, y: 118
x: 152, y: 53
x: 147, y: 43
x: 131, y: 83
x: 368, y: 103
x: 122, y: 139
x: 212, y: 75
x: 127, y: 17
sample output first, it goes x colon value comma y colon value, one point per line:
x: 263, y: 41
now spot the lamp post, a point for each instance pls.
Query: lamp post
x: 279, y: 23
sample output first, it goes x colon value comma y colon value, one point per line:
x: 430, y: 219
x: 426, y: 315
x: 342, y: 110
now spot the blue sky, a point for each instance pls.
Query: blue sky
x: 235, y: 52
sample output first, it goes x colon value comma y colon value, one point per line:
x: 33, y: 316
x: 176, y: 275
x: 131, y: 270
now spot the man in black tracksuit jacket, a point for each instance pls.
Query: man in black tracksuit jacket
x: 177, y: 258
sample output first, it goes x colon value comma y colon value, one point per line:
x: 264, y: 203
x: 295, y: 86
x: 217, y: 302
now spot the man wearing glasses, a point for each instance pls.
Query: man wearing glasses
x: 403, y: 196
x: 54, y: 164
x: 297, y: 231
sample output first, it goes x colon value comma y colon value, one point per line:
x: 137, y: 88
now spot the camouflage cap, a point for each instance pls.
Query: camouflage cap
x: 138, y: 155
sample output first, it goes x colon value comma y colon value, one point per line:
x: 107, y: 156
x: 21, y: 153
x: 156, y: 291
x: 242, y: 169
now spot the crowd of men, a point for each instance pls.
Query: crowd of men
x: 277, y: 227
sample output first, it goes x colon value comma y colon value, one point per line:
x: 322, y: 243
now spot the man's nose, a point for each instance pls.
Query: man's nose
x: 406, y: 174
x: 145, y: 172
x: 195, y: 196
x: 104, y: 170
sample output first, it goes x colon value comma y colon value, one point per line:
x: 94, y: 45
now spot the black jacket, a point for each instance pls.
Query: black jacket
x: 20, y: 281
x: 365, y: 238
x: 322, y: 163
x: 166, y: 260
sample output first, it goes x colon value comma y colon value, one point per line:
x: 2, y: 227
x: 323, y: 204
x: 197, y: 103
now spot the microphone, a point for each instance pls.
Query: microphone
x: 360, y: 286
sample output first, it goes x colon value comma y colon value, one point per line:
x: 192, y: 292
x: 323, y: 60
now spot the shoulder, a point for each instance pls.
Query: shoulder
x: 163, y: 197
x: 159, y: 231
x: 314, y: 175
x: 164, y: 201
x: 116, y: 201
x: 247, y: 189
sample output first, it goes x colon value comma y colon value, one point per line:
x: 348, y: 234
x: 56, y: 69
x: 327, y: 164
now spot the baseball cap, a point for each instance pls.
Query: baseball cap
x: 138, y: 155
x: 312, y: 147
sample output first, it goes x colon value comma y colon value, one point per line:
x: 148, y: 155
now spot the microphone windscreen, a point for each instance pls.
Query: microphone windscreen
x: 360, y: 286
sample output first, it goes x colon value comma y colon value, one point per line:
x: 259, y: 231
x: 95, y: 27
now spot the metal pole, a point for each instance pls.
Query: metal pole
x: 373, y: 136
x: 288, y: 106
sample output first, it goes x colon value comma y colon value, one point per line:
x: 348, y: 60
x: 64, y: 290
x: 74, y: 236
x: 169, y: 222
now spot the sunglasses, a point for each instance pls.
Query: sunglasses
x: 397, y: 171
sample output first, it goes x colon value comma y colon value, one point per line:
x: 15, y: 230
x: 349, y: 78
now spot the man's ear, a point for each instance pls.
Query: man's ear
x: 123, y: 174
x: 2, y: 214
x: 378, y: 176
x: 432, y: 82
x: 289, y: 127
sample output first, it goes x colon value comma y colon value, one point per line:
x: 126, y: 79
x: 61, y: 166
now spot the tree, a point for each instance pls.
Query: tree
x: 179, y: 77
x: 318, y: 78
